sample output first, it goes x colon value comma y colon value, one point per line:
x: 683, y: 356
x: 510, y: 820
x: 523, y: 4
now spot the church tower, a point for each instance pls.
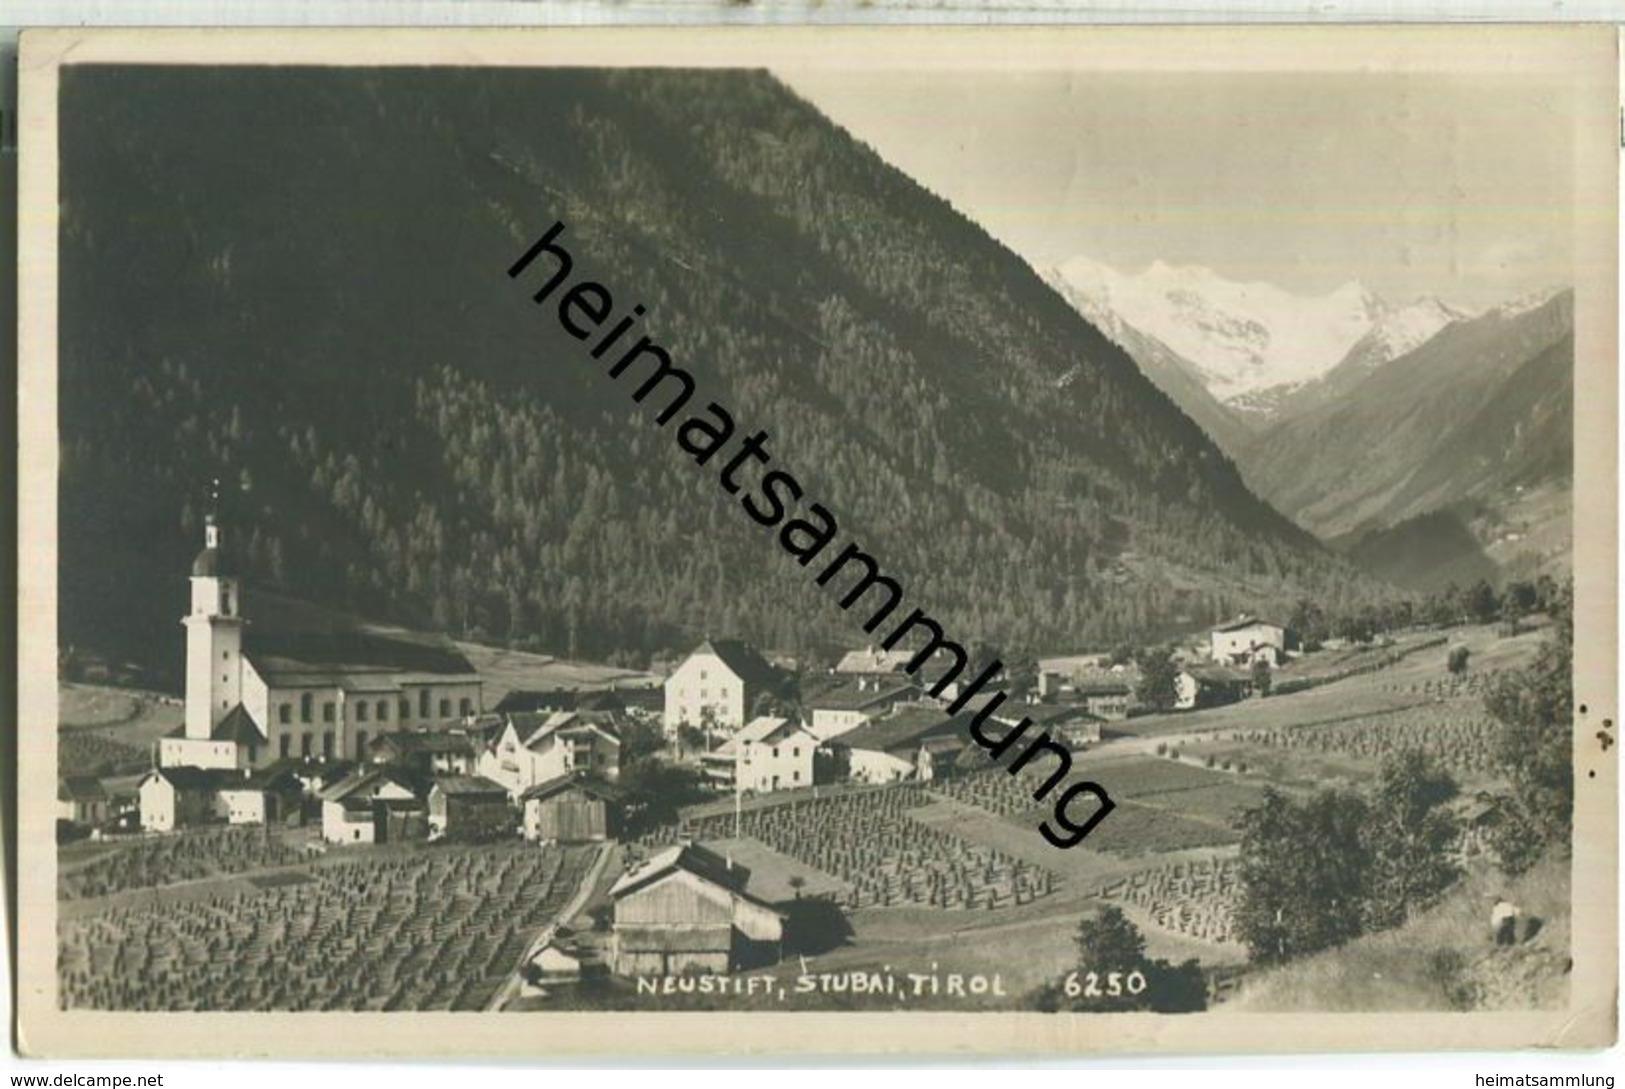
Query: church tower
x: 214, y: 636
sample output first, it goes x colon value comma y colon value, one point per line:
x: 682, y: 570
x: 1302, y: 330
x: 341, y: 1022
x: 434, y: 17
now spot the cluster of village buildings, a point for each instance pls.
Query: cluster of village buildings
x: 382, y: 736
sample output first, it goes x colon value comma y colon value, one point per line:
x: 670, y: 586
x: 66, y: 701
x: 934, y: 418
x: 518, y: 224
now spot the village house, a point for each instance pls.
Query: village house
x: 1247, y: 638
x: 766, y: 754
x: 874, y: 661
x: 687, y: 910
x: 81, y: 799
x: 1210, y: 686
x: 716, y: 686
x: 887, y: 750
x: 305, y: 686
x: 574, y: 808
x: 1104, y: 699
x: 427, y: 753
x: 1072, y: 724
x: 177, y: 797
x: 373, y: 805
x: 258, y: 797
x: 534, y: 747
x: 469, y: 809
x: 859, y: 699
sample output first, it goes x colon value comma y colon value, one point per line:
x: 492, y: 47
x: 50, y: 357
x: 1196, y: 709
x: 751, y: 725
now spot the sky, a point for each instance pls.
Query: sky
x: 1459, y: 186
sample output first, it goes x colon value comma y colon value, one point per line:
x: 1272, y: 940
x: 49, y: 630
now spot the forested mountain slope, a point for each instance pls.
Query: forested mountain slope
x: 294, y: 279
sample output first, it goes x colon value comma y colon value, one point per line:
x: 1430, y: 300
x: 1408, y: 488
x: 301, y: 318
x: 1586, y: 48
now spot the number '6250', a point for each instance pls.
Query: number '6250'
x: 1104, y: 984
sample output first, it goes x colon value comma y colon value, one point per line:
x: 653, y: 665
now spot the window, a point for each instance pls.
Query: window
x: 284, y: 714
x: 795, y: 777
x: 423, y: 704
x: 283, y: 744
x: 465, y: 707
x: 361, y: 711
x: 327, y: 745
x: 361, y: 744
x: 253, y: 753
x: 304, y: 707
x: 304, y: 744
x: 775, y: 752
x: 225, y: 602
x: 225, y: 656
x: 383, y: 710
x: 445, y: 708
x: 327, y: 711
x: 796, y: 751
x: 405, y: 708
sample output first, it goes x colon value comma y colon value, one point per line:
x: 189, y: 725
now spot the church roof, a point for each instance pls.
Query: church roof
x: 238, y: 726
x: 292, y: 644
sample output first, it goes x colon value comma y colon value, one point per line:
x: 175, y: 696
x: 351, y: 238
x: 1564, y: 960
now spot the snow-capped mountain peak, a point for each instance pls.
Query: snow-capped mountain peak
x: 1243, y: 337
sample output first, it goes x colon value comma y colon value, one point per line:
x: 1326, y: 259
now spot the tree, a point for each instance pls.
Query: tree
x: 1308, y: 619
x: 1534, y: 710
x: 656, y: 790
x: 1480, y: 603
x: 1158, y: 677
x: 1262, y: 676
x: 1305, y: 869
x: 1456, y: 661
x: 1413, y: 836
x: 1114, y: 973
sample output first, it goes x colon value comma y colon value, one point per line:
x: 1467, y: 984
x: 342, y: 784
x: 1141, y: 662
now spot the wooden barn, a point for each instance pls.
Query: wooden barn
x: 574, y: 808
x: 687, y: 910
x: 469, y: 809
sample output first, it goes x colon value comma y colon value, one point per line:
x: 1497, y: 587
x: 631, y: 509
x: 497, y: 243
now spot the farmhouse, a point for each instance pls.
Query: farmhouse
x: 766, y: 754
x: 469, y: 809
x: 258, y: 797
x: 427, y: 753
x: 1247, y: 638
x: 574, y: 808
x: 873, y: 660
x: 686, y: 910
x: 172, y: 798
x: 716, y: 686
x: 373, y: 805
x: 1073, y: 724
x: 856, y: 701
x: 81, y: 799
x: 1104, y: 699
x: 534, y: 747
x: 1211, y: 685
x: 888, y: 749
x: 274, y: 689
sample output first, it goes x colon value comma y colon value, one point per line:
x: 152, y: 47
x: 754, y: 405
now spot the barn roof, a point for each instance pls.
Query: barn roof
x: 185, y: 778
x: 1218, y: 674
x: 469, y: 786
x: 575, y: 780
x: 857, y: 694
x: 702, y: 862
x: 80, y: 788
x: 902, y: 729
x: 419, y: 742
x: 1245, y: 622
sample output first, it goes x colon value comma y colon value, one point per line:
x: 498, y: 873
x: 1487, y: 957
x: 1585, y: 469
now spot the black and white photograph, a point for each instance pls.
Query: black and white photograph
x: 680, y: 524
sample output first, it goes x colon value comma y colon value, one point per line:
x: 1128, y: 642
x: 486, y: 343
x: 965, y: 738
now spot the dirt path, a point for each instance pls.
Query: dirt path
x: 510, y: 987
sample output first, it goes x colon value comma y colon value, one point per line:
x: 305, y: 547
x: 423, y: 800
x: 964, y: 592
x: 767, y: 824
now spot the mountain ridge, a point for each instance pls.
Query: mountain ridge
x: 408, y: 442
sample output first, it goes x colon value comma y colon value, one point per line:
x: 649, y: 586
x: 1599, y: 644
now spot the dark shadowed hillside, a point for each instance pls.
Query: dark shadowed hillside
x: 296, y: 281
x: 1474, y: 418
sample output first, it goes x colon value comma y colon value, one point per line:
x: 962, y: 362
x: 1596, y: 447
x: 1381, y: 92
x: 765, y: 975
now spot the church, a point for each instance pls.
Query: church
x: 296, y: 682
